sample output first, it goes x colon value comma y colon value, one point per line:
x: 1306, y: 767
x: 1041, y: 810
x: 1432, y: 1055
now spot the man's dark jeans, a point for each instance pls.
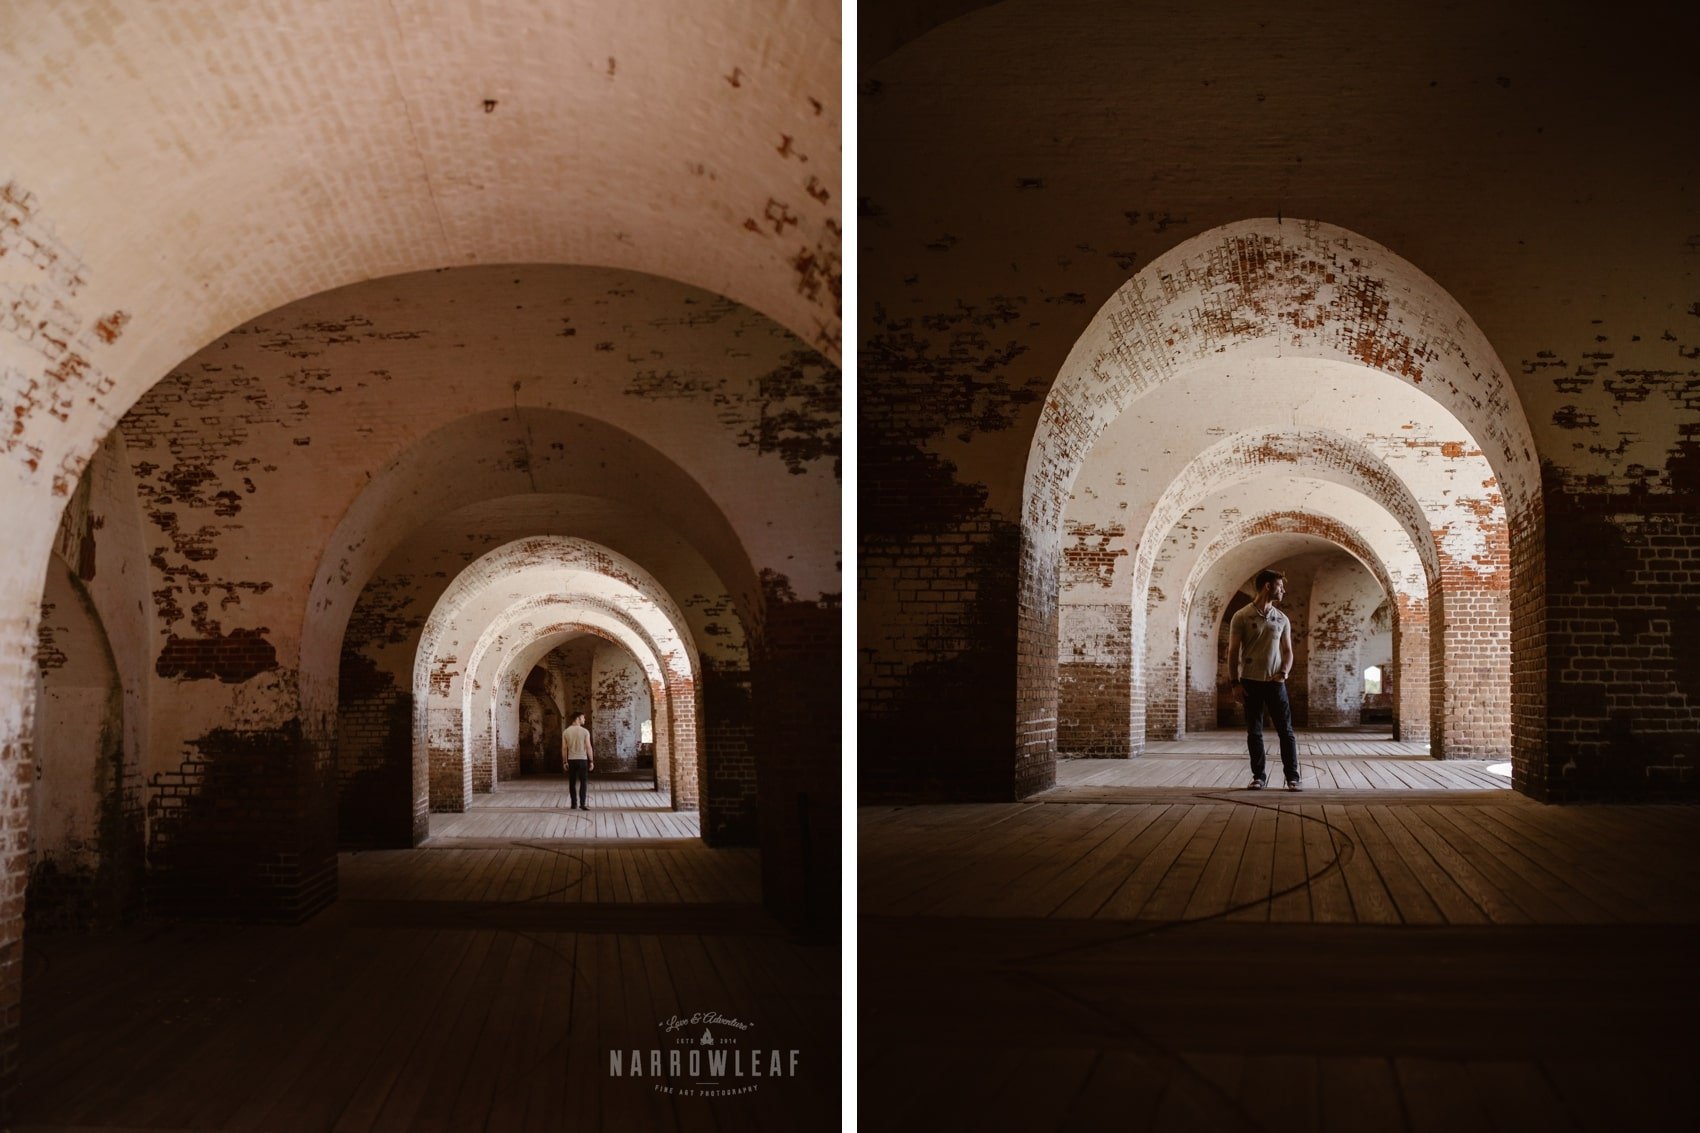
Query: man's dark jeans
x: 578, y: 781
x: 1270, y: 696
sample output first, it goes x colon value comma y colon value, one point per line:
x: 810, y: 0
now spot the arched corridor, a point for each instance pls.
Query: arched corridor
x: 1144, y: 497
x: 1155, y: 298
x: 306, y: 312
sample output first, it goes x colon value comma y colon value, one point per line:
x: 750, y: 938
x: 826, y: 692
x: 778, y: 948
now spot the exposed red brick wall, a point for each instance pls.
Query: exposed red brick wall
x: 937, y: 572
x: 1622, y: 689
x: 1413, y: 660
x: 244, y: 828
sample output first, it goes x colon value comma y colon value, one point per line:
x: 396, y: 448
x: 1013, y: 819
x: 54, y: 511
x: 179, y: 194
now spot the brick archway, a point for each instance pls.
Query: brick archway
x: 1264, y: 293
x: 511, y: 687
x: 1241, y: 550
x: 1103, y: 685
x: 465, y: 642
x: 527, y: 632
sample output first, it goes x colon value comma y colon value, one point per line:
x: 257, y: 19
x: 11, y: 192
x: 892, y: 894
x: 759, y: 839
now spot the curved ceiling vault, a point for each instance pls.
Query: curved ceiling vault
x: 1311, y: 322
x: 266, y: 153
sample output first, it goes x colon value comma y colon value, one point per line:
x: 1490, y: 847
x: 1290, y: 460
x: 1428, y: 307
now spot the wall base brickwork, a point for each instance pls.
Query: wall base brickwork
x: 243, y: 830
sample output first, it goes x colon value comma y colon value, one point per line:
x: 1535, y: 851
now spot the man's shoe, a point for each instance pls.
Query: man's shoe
x: 1293, y: 785
x: 1258, y: 784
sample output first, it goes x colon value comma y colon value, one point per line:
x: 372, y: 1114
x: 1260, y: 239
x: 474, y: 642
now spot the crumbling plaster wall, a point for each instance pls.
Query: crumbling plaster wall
x: 1343, y: 598
x: 998, y: 216
x: 620, y: 703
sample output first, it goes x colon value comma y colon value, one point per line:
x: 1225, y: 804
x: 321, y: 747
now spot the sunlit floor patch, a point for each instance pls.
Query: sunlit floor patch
x: 1499, y: 769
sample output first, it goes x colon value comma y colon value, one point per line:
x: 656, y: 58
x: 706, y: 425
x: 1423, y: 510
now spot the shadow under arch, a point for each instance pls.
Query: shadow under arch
x: 1259, y: 289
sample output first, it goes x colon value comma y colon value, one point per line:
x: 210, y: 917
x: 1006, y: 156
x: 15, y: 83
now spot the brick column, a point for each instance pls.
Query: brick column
x: 795, y: 698
x: 938, y: 624
x: 374, y: 736
x: 1163, y: 695
x: 1409, y: 679
x: 728, y: 815
x: 17, y: 701
x: 1470, y: 698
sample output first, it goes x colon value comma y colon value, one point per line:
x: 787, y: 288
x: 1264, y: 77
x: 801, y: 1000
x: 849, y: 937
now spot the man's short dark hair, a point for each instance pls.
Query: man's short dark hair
x: 1265, y: 577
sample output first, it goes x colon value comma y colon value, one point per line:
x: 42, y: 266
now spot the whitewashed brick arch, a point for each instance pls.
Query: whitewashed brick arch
x: 1263, y: 294
x: 497, y: 606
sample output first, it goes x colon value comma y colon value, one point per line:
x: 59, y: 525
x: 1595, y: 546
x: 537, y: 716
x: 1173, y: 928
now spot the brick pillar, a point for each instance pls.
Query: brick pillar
x: 1035, y: 665
x: 1163, y: 693
x: 795, y: 697
x: 1470, y: 699
x: 1410, y: 671
x: 661, y: 728
x: 481, y: 752
x: 445, y: 749
x: 374, y: 737
x: 938, y: 616
x: 1529, y: 661
x: 729, y: 760
x: 17, y: 705
x: 684, y: 717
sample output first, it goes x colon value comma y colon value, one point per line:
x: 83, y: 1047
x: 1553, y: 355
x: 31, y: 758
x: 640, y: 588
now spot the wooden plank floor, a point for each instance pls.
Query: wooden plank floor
x: 449, y: 988
x: 1160, y: 958
x: 537, y: 807
x: 1328, y: 761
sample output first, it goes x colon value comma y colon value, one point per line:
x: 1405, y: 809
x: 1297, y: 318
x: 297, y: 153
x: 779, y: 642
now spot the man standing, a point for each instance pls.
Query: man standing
x: 1260, y: 655
x: 580, y: 762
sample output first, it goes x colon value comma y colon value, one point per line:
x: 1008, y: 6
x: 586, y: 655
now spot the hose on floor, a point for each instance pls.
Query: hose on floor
x: 1343, y: 849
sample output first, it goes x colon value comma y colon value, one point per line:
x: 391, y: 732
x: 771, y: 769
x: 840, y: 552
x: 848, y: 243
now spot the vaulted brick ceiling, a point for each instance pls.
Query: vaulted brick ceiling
x: 182, y: 168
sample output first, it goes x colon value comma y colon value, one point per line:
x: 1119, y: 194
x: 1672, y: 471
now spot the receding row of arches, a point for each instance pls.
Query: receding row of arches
x: 1308, y: 421
x: 253, y: 658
